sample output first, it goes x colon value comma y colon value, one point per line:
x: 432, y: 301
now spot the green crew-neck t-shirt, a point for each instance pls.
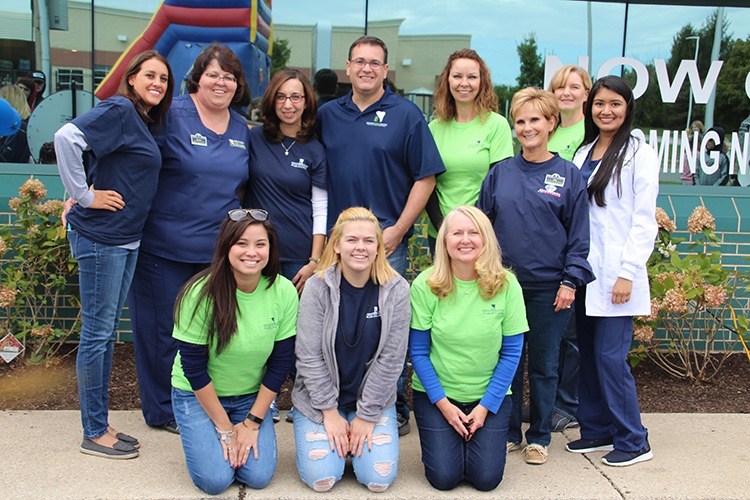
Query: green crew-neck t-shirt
x: 565, y: 141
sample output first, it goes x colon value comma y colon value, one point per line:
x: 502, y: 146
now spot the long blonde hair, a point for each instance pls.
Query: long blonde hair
x: 381, y: 270
x: 16, y: 98
x: 489, y: 264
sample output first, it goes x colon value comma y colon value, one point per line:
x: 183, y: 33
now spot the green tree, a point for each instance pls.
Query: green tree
x: 280, y: 55
x: 732, y: 105
x: 532, y: 65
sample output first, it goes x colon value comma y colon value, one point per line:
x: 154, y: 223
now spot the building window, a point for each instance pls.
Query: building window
x: 65, y: 76
x: 100, y: 72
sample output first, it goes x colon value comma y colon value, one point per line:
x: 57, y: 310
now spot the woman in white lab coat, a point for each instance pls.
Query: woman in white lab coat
x: 623, y: 183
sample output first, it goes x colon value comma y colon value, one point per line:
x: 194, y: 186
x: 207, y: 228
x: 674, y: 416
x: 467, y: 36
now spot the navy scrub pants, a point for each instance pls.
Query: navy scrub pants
x: 156, y: 283
x: 607, y: 398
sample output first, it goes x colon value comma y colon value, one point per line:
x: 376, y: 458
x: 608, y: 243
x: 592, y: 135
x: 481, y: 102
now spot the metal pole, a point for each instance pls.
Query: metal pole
x: 93, y: 55
x: 690, y: 95
x: 590, y: 24
x: 624, y: 37
x: 367, y: 11
x: 715, y: 50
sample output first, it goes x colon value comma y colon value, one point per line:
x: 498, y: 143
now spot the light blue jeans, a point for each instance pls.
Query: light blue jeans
x: 320, y: 468
x: 204, y: 455
x: 104, y: 276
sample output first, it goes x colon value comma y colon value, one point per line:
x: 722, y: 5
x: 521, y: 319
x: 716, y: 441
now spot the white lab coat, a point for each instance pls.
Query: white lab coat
x: 623, y: 232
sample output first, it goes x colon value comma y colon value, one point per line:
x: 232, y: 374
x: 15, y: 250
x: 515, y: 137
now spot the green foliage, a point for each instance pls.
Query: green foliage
x: 34, y: 276
x: 693, y: 300
x: 419, y: 252
x: 532, y: 65
x: 280, y: 55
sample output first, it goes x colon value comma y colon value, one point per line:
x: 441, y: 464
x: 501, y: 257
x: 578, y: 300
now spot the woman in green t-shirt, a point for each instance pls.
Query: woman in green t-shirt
x: 235, y: 324
x: 468, y: 317
x: 571, y: 85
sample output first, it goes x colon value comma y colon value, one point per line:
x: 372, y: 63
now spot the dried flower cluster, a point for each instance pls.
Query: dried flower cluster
x: 33, y: 188
x: 699, y: 220
x: 50, y: 207
x: 43, y: 332
x: 7, y: 296
x: 643, y: 333
x: 664, y: 221
x: 14, y: 203
x: 714, y: 295
x: 3, y: 247
x: 675, y: 301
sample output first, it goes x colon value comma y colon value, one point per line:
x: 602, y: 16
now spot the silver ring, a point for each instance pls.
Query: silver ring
x: 248, y: 448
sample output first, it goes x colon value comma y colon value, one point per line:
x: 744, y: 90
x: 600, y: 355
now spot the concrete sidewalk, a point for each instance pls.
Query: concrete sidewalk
x: 696, y: 456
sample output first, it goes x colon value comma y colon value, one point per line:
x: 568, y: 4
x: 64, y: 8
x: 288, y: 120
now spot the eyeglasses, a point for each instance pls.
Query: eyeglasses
x: 361, y: 63
x: 224, y: 78
x: 295, y: 98
x: 256, y: 214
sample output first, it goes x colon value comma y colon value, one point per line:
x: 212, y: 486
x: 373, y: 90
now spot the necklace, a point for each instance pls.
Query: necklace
x: 286, y: 149
x: 361, y: 321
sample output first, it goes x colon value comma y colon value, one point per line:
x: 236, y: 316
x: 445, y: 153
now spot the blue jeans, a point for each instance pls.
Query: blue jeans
x: 156, y: 283
x: 542, y: 342
x: 104, y: 276
x: 320, y: 468
x: 204, y: 455
x: 566, y: 402
x: 399, y: 261
x: 448, y: 459
x: 608, y: 401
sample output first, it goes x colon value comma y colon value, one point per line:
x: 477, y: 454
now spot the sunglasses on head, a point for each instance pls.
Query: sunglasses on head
x: 255, y: 213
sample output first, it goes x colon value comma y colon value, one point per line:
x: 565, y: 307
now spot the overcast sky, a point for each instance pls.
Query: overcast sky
x: 496, y: 26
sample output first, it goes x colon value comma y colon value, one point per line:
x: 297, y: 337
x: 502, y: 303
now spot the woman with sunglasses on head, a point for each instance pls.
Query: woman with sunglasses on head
x: 623, y: 183
x: 109, y: 163
x: 234, y: 324
x: 351, y: 344
x: 470, y: 135
x: 204, y: 146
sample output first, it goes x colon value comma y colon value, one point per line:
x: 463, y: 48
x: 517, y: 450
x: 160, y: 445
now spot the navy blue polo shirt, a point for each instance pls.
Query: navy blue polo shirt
x: 376, y: 155
x: 282, y: 185
x: 124, y: 158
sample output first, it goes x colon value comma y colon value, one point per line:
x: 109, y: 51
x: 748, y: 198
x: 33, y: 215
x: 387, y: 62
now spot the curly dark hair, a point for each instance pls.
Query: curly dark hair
x: 226, y: 59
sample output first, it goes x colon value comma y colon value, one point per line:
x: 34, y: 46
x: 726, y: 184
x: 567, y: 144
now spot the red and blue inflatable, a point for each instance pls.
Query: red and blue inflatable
x: 181, y: 29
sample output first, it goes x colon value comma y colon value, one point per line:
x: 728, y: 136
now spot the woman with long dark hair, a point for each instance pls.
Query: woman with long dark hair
x: 234, y: 324
x: 113, y: 192
x: 623, y: 183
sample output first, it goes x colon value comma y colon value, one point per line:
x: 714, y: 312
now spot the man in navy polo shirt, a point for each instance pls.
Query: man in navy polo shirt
x: 380, y: 155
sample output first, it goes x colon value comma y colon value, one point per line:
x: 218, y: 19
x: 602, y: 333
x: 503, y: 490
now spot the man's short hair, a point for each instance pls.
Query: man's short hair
x: 370, y: 40
x: 325, y: 82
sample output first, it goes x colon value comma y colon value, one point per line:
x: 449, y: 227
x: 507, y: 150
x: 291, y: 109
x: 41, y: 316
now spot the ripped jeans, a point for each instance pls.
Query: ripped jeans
x: 320, y: 468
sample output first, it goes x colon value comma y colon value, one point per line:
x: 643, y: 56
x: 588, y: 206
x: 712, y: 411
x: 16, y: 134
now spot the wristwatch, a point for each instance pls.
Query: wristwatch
x: 253, y: 418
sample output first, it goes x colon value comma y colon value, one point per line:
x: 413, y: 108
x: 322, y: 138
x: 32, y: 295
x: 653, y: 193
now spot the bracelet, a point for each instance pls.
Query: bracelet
x: 225, y: 436
x: 568, y: 284
x: 314, y: 259
x: 253, y: 418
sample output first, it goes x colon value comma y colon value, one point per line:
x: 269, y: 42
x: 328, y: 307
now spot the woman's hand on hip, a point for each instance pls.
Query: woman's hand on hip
x: 247, y: 441
x: 564, y: 299
x: 337, y: 429
x: 359, y: 432
x: 454, y: 416
x: 621, y: 291
x: 107, y: 200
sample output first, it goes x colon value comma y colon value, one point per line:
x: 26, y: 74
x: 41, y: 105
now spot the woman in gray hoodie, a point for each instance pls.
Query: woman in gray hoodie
x: 352, y: 333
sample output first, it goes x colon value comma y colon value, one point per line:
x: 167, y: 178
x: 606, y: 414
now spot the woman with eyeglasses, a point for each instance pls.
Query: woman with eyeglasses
x: 234, y: 324
x: 352, y: 333
x: 205, y: 150
x: 109, y: 163
x: 288, y: 175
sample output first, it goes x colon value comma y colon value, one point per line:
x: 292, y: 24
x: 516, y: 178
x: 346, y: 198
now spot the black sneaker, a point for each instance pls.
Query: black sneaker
x: 560, y: 422
x: 170, y: 426
x: 619, y: 458
x: 589, y: 445
x: 403, y: 425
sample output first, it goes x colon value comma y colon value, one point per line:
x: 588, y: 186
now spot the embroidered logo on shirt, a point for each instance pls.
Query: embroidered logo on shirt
x: 476, y: 144
x: 198, y: 140
x: 272, y: 325
x: 234, y: 143
x: 300, y: 164
x: 378, y: 120
x: 551, y: 183
x: 374, y: 314
x: 491, y: 311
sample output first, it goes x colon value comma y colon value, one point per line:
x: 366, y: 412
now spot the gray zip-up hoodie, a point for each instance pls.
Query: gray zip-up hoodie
x: 316, y: 387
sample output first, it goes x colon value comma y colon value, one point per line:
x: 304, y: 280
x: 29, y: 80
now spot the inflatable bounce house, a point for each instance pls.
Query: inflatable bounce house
x: 181, y: 29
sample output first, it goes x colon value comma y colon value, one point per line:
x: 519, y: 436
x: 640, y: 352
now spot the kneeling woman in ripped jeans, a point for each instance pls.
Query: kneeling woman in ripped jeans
x: 351, y: 343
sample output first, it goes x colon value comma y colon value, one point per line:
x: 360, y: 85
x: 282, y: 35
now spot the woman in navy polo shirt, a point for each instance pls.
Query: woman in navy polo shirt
x: 204, y: 146
x: 109, y: 163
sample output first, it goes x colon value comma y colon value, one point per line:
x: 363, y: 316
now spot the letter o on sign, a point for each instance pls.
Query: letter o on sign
x: 641, y: 72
